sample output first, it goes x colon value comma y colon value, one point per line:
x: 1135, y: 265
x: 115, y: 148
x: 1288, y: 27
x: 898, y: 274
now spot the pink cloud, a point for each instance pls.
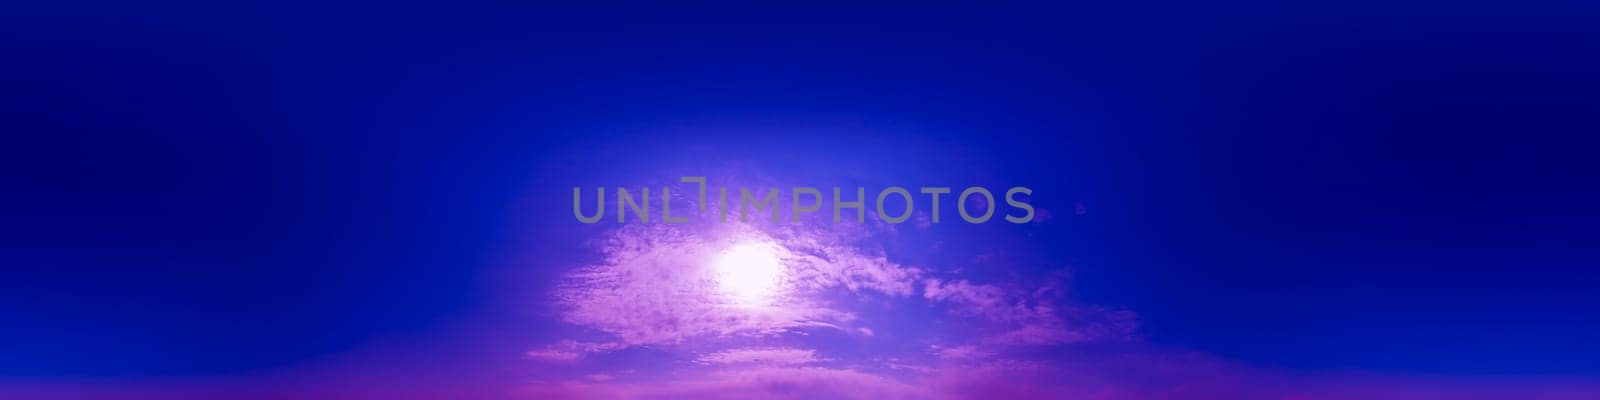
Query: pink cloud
x: 966, y: 372
x: 652, y: 288
x: 961, y: 353
x: 567, y: 351
x: 752, y: 383
x: 834, y: 256
x: 1037, y: 317
x: 655, y: 284
x: 763, y: 356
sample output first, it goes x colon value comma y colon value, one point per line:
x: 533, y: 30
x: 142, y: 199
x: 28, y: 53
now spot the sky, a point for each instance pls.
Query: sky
x: 377, y: 202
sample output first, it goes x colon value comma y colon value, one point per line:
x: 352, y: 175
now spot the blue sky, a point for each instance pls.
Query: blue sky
x: 1318, y: 202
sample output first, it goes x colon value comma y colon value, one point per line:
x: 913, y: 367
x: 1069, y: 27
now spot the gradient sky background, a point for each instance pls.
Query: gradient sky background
x: 344, y: 203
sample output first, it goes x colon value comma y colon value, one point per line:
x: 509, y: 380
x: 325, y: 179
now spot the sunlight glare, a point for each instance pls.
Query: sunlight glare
x: 749, y: 274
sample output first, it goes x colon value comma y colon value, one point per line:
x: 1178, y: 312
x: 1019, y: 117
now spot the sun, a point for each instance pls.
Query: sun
x: 749, y: 274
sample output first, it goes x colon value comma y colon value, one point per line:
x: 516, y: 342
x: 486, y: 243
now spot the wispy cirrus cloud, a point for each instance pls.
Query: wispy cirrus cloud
x: 657, y: 284
x: 1030, y: 317
x: 744, y: 383
x: 661, y: 287
x: 567, y: 351
x: 763, y: 356
x: 846, y: 318
x: 966, y: 352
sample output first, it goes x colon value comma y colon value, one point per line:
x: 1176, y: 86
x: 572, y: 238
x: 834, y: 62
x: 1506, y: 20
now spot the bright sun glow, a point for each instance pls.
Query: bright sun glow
x: 749, y: 274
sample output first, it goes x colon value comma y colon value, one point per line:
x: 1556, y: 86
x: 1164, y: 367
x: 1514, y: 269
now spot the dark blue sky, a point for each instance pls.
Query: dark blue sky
x: 185, y: 196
